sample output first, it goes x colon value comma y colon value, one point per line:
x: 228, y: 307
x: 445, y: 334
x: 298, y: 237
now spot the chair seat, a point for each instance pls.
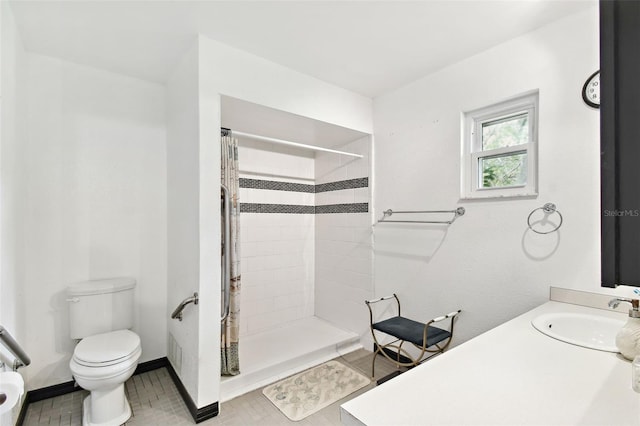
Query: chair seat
x: 411, y: 331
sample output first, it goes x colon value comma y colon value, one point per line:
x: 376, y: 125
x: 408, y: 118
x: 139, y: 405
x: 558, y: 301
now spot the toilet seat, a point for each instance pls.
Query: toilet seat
x: 107, y: 349
x: 101, y: 373
x: 106, y: 356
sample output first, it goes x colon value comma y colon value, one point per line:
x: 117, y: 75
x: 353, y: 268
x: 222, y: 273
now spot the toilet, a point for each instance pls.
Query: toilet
x: 101, y: 314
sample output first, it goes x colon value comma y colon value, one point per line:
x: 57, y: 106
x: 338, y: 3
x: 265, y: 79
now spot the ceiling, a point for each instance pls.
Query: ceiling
x: 369, y: 47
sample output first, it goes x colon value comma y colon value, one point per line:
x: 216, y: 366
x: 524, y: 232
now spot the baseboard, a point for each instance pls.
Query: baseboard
x: 23, y: 412
x: 154, y: 364
x: 68, y: 387
x: 51, y: 391
x: 198, y: 414
x: 44, y: 393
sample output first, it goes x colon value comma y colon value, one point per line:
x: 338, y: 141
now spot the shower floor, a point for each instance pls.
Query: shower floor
x: 270, y: 356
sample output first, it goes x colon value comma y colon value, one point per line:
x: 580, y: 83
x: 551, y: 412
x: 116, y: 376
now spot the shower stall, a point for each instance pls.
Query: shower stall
x: 305, y: 242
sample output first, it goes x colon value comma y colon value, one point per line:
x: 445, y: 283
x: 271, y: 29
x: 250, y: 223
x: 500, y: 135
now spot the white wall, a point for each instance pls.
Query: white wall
x: 227, y: 71
x: 277, y: 249
x: 95, y: 203
x: 488, y: 263
x: 183, y: 251
x: 12, y: 126
x: 344, y: 244
x: 244, y: 76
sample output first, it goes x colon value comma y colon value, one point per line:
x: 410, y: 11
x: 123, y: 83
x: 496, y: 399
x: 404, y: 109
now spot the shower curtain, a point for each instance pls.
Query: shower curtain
x: 229, y: 359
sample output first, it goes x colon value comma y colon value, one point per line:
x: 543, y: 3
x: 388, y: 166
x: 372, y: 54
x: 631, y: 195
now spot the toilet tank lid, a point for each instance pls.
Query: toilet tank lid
x: 110, y: 285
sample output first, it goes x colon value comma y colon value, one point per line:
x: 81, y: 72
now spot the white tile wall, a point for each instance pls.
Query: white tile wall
x: 343, y: 254
x: 277, y: 250
x: 275, y: 197
x: 277, y: 269
x: 298, y: 265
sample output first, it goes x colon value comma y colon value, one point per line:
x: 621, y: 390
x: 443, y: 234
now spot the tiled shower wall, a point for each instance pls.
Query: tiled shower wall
x: 305, y: 236
x: 343, y: 240
x: 277, y: 247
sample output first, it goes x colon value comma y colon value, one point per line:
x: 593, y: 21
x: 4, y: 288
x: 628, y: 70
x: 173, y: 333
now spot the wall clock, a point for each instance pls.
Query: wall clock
x: 591, y: 90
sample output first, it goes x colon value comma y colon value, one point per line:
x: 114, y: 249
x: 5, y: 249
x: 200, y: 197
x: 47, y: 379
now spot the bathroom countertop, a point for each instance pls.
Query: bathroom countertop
x: 512, y: 374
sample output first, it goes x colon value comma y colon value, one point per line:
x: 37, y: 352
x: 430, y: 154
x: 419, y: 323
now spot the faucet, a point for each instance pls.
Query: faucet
x: 634, y: 312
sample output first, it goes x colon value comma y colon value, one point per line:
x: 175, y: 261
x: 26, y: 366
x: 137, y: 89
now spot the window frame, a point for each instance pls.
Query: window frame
x: 472, y: 152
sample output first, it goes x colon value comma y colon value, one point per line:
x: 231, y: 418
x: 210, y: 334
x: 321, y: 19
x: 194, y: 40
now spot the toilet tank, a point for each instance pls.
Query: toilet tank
x: 100, y: 306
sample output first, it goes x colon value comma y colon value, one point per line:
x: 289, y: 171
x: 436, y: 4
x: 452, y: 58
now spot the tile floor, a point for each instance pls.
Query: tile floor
x: 155, y: 400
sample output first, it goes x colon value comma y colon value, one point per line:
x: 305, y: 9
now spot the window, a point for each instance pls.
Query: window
x: 499, y: 149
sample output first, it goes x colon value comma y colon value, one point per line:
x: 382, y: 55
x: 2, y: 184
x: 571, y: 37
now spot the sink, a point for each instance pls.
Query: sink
x: 11, y: 388
x: 589, y: 331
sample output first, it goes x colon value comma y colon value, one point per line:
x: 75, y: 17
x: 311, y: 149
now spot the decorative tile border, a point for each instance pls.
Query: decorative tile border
x: 302, y: 209
x: 343, y: 184
x: 343, y: 208
x: 276, y: 185
x: 276, y: 208
x: 273, y: 185
x: 300, y: 187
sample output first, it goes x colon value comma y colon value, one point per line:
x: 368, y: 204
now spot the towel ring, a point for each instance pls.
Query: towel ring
x: 548, y: 209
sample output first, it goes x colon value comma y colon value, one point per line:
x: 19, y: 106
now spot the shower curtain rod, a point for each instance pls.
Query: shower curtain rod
x: 228, y: 132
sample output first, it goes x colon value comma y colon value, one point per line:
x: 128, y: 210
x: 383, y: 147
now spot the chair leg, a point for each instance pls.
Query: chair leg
x: 373, y: 362
x: 398, y: 354
x: 373, y: 365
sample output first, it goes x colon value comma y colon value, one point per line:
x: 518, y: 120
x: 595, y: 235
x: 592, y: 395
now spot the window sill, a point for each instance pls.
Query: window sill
x: 485, y: 195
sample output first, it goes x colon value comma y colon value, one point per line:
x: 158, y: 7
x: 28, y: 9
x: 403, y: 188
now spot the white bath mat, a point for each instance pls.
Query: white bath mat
x: 305, y: 393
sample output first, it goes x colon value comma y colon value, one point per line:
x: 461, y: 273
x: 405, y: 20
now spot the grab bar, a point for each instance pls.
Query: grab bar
x: 226, y: 254
x: 460, y: 211
x: 21, y: 357
x: 177, y: 313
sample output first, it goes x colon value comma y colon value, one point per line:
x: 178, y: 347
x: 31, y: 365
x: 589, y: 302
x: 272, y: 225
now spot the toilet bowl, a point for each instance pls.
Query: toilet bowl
x: 101, y: 364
